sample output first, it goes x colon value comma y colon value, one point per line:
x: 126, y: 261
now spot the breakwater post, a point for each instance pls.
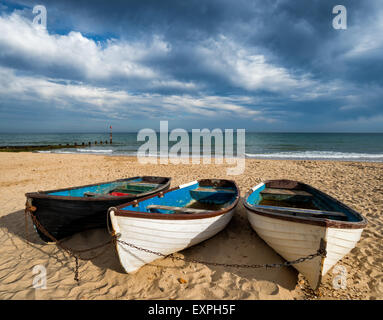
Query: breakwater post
x: 31, y: 148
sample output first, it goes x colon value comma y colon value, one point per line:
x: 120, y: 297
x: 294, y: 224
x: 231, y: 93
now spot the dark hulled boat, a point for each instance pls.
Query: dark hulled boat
x: 64, y: 212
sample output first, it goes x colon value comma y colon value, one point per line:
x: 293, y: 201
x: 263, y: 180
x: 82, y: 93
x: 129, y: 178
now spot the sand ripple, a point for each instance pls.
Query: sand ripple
x: 360, y: 185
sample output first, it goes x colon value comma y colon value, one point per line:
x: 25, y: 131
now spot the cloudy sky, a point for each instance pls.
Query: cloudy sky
x: 275, y: 65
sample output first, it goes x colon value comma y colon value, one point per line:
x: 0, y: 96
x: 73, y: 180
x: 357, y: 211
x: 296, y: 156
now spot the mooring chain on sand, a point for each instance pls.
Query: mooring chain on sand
x: 74, y: 253
x: 321, y: 252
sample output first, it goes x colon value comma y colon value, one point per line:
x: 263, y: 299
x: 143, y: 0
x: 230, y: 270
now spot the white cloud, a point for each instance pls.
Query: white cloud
x: 56, y: 60
x: 246, y: 68
x: 77, y: 57
x: 91, y: 60
x: 78, y: 97
x: 364, y: 38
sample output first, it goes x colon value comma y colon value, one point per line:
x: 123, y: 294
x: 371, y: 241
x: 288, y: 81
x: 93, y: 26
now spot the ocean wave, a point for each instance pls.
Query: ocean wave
x: 77, y: 151
x: 57, y: 151
x: 63, y: 152
x: 325, y: 155
x: 94, y: 150
x: 293, y: 155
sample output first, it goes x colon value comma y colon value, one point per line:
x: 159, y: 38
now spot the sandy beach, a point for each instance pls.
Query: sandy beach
x: 357, y: 184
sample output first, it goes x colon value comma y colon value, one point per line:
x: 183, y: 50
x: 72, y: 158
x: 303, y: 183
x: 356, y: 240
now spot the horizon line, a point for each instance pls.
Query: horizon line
x: 190, y: 131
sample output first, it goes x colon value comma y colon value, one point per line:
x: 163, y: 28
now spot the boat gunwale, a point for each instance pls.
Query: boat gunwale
x: 175, y: 216
x: 328, y: 223
x: 45, y: 195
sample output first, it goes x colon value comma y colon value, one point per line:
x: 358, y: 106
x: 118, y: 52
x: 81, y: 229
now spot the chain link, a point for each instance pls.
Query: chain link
x: 320, y: 253
x: 74, y: 253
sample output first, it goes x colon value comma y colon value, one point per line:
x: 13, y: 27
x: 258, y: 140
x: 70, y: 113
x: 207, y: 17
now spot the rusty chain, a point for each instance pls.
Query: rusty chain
x: 74, y: 253
x: 321, y: 252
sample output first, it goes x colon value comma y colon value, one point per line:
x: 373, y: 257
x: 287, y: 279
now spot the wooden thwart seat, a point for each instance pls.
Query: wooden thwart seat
x: 129, y: 189
x: 145, y: 184
x: 176, y: 209
x: 302, y: 212
x: 137, y: 187
x: 212, y: 195
x: 93, y: 194
x: 287, y: 192
x: 213, y: 190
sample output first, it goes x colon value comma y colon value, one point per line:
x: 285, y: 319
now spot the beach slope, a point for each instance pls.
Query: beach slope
x: 359, y: 185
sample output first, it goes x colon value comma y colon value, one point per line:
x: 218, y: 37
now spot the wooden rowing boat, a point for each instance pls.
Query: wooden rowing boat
x: 65, y: 212
x: 295, y: 219
x: 172, y: 221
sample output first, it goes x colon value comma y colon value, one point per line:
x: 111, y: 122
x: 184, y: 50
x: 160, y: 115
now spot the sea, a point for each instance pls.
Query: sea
x: 297, y: 146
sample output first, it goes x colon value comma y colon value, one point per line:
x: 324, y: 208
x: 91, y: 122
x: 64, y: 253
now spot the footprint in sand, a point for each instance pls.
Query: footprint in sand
x: 268, y: 288
x: 220, y: 293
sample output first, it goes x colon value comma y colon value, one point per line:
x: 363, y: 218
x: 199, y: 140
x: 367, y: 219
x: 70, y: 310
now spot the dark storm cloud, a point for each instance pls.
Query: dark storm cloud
x: 294, y: 34
x: 284, y: 57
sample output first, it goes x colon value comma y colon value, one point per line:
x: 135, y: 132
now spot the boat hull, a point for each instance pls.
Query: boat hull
x: 293, y: 240
x: 173, y: 225
x: 162, y: 236
x: 63, y: 217
x: 295, y: 236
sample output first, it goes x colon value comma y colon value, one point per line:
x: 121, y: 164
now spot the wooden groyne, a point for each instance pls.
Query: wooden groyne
x: 50, y: 147
x: 56, y: 146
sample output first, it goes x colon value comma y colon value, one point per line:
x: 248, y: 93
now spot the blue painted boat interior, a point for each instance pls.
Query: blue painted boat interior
x: 188, y: 197
x: 100, y: 188
x: 320, y: 202
x: 255, y: 197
